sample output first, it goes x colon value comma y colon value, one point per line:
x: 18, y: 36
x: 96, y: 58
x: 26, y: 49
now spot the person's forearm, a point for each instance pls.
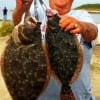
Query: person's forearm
x: 16, y: 16
x: 21, y: 7
x: 88, y: 31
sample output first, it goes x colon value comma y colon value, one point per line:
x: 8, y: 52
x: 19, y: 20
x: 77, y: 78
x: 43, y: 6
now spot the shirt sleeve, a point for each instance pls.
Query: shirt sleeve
x: 86, y: 17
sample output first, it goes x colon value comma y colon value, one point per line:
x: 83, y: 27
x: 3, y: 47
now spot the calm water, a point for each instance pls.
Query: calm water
x: 96, y: 17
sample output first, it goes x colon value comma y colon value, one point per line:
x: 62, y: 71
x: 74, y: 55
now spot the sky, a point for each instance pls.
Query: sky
x: 81, y: 2
x: 10, y: 4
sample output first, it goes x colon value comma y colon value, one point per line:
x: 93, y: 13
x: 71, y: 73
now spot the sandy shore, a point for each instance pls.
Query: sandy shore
x: 0, y: 23
x: 95, y: 73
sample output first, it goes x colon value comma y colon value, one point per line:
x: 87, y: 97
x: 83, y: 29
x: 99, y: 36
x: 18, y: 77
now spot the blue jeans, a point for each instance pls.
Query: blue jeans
x: 81, y: 87
x: 52, y: 92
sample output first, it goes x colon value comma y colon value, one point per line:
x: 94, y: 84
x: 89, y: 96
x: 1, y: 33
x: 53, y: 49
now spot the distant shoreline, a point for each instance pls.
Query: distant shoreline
x: 1, y: 21
x: 97, y: 12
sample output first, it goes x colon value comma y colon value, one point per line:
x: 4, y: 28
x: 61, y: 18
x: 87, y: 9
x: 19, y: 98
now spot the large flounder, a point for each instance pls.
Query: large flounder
x: 65, y: 55
x: 23, y: 62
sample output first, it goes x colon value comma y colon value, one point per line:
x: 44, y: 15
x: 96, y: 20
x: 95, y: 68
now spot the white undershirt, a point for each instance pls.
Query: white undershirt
x: 78, y: 14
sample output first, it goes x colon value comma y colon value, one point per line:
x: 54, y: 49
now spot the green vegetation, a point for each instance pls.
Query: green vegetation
x: 90, y: 7
x: 6, y: 28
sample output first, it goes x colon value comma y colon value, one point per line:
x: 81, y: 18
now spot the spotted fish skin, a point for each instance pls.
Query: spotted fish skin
x: 63, y: 54
x: 24, y: 65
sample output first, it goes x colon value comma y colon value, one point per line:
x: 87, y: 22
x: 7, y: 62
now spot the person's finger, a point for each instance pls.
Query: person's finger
x: 19, y: 2
x: 75, y: 31
x: 70, y: 27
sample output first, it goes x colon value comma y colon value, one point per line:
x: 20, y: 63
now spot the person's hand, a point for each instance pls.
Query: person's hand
x: 23, y: 5
x: 70, y: 24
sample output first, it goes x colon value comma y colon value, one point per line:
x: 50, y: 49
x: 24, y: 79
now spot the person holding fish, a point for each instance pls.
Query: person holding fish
x: 79, y: 23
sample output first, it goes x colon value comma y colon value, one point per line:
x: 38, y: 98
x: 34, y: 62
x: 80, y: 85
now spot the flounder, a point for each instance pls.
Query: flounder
x: 23, y: 62
x: 65, y: 54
